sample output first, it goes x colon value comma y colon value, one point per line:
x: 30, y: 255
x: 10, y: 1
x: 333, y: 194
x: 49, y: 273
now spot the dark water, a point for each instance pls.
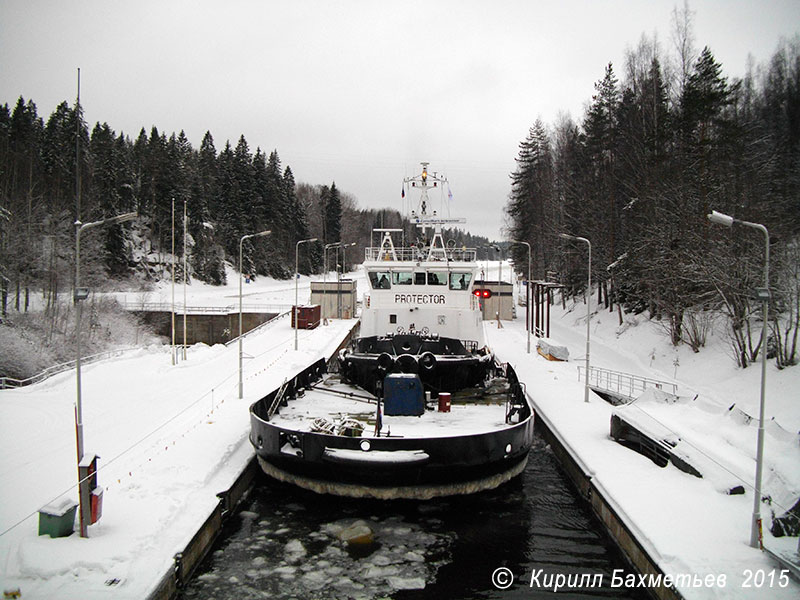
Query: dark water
x: 283, y: 545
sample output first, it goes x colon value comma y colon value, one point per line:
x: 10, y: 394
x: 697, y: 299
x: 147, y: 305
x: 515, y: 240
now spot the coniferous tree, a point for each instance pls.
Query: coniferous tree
x: 24, y: 206
x: 642, y: 170
x: 109, y: 182
x: 645, y: 168
x: 280, y: 251
x: 601, y: 133
x: 229, y: 215
x: 156, y: 194
x: 207, y: 255
x: 532, y: 206
x: 332, y: 215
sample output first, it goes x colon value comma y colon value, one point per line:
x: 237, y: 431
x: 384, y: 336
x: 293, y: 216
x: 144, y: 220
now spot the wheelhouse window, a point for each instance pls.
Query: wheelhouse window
x: 435, y: 278
x: 402, y: 278
x: 419, y: 278
x: 460, y: 281
x: 379, y: 280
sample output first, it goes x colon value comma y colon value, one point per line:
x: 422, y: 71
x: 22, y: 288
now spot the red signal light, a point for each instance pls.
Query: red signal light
x: 482, y: 293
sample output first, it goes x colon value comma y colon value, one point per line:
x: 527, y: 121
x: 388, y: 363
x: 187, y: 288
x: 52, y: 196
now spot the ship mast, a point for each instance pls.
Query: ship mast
x: 420, y: 218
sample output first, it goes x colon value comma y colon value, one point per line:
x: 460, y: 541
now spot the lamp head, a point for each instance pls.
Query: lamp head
x: 720, y: 218
x: 122, y: 218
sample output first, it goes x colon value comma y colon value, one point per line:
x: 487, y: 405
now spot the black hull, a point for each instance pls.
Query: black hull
x: 434, y: 489
x: 393, y: 467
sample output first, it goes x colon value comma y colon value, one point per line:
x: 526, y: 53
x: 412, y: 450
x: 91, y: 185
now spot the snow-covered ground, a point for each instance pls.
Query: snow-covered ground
x: 171, y: 437
x: 690, y: 525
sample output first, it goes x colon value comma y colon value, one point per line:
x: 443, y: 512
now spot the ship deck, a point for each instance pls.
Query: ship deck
x: 471, y: 412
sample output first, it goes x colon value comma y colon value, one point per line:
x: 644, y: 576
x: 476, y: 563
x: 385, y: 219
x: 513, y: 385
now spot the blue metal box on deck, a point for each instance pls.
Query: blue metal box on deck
x: 403, y: 395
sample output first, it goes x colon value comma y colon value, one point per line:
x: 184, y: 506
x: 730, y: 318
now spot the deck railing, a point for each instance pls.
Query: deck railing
x: 381, y: 253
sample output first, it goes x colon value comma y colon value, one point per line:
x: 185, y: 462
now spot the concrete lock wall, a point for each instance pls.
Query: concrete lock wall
x: 204, y: 328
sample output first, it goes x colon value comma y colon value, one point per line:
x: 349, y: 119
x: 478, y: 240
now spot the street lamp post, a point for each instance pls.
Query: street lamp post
x: 485, y: 282
x: 499, y: 269
x: 344, y: 248
x: 172, y: 263
x: 528, y: 299
x: 81, y: 294
x: 763, y: 295
x: 325, y: 258
x: 241, y: 241
x: 296, y: 276
x: 325, y: 278
x: 184, y: 280
x: 566, y: 236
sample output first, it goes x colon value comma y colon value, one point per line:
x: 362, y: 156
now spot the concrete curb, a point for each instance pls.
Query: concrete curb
x: 187, y: 561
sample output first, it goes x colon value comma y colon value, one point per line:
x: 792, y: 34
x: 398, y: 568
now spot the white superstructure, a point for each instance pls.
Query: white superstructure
x: 425, y: 287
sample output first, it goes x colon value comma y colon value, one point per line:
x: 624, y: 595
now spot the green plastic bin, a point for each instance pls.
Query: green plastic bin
x: 58, y: 519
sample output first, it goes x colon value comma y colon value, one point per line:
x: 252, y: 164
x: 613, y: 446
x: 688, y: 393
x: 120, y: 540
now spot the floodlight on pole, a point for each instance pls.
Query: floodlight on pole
x: 79, y: 294
x: 566, y: 236
x: 763, y: 295
x: 296, y: 276
x: 241, y: 241
x: 527, y: 325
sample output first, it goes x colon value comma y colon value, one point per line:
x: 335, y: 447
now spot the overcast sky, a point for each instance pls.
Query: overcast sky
x: 357, y: 92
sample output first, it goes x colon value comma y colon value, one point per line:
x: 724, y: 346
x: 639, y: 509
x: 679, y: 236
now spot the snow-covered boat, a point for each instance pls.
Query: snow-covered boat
x: 416, y: 406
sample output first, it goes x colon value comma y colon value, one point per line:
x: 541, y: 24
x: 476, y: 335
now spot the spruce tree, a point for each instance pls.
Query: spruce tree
x: 207, y: 257
x: 531, y: 207
x: 108, y: 181
x: 229, y: 215
x: 333, y: 215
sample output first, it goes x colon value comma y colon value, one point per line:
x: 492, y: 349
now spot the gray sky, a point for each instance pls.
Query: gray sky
x: 357, y: 92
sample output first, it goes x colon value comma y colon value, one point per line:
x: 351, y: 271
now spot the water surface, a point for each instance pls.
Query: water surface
x: 284, y: 544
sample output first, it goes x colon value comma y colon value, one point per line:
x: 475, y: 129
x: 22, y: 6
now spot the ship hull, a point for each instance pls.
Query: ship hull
x: 390, y: 467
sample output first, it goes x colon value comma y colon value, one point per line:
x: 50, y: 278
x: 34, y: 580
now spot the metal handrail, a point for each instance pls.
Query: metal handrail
x: 10, y: 382
x: 167, y: 307
x: 624, y: 384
